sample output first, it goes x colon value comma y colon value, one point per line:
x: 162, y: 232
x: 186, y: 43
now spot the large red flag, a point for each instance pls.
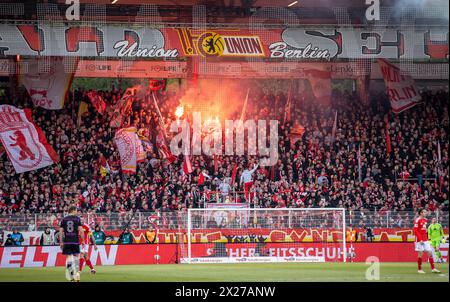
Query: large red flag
x: 388, y: 139
x: 233, y: 175
x: 187, y: 165
x: 163, y: 150
x: 97, y: 101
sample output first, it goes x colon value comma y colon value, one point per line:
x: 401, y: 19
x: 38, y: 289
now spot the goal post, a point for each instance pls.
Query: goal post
x: 239, y: 235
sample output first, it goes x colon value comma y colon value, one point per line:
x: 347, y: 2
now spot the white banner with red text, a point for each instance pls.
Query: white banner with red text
x: 47, y: 80
x: 401, y: 89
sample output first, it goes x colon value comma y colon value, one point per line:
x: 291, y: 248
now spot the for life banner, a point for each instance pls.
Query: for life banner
x: 24, y: 141
x: 128, y: 144
x: 401, y: 89
x: 47, y: 80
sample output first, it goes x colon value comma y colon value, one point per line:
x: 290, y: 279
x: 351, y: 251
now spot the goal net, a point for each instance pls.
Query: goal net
x: 236, y: 235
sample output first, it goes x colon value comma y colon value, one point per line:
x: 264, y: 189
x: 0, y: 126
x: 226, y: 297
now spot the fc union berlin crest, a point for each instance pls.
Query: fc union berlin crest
x: 23, y: 141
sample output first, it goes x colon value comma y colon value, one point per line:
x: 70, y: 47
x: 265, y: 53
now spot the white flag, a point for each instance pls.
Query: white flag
x: 401, y: 89
x: 127, y: 142
x: 320, y: 84
x: 47, y: 82
x: 24, y: 141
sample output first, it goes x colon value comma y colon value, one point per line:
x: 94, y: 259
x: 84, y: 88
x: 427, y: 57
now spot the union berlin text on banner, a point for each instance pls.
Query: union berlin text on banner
x: 24, y: 141
x: 401, y: 89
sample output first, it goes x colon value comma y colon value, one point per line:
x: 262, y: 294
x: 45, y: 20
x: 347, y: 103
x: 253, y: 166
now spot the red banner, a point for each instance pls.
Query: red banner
x: 49, y: 256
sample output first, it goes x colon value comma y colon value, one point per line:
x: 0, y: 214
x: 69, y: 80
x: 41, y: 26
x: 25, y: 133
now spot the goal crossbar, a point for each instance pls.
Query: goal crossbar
x: 261, y: 259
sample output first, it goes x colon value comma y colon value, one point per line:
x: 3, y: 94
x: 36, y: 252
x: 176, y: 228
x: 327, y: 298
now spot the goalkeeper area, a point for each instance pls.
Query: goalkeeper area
x: 242, y: 272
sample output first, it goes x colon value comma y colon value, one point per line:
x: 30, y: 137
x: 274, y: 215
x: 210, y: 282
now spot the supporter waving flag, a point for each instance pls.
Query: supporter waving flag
x: 24, y: 141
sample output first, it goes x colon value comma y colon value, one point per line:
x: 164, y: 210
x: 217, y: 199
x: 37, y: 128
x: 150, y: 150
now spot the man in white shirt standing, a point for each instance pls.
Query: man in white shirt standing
x: 247, y: 179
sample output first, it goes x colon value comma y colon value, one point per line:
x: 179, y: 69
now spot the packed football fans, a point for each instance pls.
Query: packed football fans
x: 329, y: 156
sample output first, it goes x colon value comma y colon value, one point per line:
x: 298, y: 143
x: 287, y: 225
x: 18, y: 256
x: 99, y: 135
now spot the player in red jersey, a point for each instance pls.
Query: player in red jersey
x: 421, y: 243
x: 84, y: 249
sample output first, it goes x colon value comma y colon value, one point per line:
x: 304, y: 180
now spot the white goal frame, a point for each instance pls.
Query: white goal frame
x: 189, y: 224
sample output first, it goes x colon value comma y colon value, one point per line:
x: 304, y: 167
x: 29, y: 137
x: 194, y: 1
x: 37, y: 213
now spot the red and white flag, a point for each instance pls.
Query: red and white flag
x: 126, y: 140
x: 321, y: 85
x: 296, y: 134
x: 202, y: 177
x: 439, y: 152
x: 104, y: 166
x: 334, y: 130
x: 47, y: 80
x: 121, y: 108
x: 388, y: 139
x: 24, y: 142
x: 187, y: 165
x: 287, y: 109
x: 2, y: 150
x: 233, y: 174
x: 401, y: 89
x: 97, y: 101
x: 163, y: 150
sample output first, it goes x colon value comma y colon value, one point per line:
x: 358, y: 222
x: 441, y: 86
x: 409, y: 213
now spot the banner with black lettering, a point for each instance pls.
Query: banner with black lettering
x: 401, y: 89
x: 47, y: 80
x: 24, y: 142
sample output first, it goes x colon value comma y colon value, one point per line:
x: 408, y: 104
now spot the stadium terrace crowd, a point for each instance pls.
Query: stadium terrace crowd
x: 319, y: 170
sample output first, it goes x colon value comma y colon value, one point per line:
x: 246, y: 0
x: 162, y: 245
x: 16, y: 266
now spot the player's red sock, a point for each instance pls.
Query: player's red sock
x: 81, y: 264
x: 419, y: 263
x: 431, y: 260
x: 88, y: 262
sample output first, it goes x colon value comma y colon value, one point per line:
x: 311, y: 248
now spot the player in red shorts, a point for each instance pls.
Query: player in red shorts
x: 84, y: 249
x: 422, y: 244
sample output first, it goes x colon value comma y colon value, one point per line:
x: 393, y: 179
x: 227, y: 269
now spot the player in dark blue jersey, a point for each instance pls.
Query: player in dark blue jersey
x: 70, y: 232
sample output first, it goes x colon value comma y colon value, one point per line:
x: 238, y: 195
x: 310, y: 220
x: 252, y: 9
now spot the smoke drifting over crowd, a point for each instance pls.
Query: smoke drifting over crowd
x: 216, y: 98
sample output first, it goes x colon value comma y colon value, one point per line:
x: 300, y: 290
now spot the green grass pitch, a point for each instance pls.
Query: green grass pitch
x: 273, y: 272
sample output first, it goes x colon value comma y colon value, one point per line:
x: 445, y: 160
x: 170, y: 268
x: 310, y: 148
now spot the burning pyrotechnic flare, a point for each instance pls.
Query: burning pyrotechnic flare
x: 179, y: 111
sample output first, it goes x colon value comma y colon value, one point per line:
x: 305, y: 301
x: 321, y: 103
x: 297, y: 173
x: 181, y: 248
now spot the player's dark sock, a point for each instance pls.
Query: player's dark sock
x: 88, y: 262
x: 419, y: 263
x: 81, y: 264
x: 431, y: 260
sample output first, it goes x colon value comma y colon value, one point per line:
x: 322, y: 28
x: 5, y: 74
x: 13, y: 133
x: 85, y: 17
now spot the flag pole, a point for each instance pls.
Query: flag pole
x: 159, y: 114
x: 244, y: 108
